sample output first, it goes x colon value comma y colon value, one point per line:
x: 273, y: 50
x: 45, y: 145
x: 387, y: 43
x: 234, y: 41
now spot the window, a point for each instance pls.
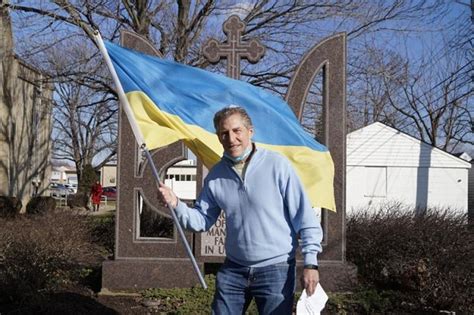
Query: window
x: 375, y: 181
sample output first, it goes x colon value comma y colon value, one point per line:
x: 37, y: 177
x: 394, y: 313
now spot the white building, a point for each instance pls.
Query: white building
x: 108, y: 175
x: 63, y: 175
x: 385, y: 165
x: 181, y: 177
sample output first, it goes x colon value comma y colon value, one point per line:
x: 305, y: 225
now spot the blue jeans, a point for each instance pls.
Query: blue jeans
x: 273, y: 288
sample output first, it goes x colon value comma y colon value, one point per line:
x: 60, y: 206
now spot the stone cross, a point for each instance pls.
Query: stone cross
x: 233, y: 49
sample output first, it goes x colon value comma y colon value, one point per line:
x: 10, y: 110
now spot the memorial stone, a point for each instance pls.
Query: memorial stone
x: 142, y: 262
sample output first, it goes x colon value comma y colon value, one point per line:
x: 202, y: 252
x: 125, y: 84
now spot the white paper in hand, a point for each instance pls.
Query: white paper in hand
x: 312, y: 305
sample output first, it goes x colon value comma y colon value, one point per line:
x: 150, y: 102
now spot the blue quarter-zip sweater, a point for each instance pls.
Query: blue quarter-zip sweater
x: 264, y: 212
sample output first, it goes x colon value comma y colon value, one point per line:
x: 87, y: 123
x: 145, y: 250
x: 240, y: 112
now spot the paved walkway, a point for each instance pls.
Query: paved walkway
x: 104, y: 208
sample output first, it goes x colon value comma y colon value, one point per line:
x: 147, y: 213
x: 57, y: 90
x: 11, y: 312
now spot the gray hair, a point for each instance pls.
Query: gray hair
x: 229, y: 111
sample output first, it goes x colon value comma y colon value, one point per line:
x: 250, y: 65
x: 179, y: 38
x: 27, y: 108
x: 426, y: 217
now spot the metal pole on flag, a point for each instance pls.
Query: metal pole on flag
x: 141, y: 142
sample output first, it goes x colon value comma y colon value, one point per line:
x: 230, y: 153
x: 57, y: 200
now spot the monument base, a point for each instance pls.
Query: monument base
x: 136, y: 274
x: 334, y: 276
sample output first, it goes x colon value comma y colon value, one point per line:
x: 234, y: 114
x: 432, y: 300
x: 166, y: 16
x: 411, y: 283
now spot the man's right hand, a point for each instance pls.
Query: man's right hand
x: 167, y: 196
x: 309, y: 280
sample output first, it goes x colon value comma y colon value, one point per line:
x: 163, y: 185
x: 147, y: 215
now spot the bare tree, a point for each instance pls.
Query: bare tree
x: 178, y: 28
x: 435, y: 103
x: 371, y: 90
x: 287, y: 28
x: 428, y: 98
x: 85, y: 115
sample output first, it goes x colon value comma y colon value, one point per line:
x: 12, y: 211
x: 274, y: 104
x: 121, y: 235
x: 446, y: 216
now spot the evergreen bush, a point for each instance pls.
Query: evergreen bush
x: 88, y: 178
x: 9, y: 206
x: 41, y: 205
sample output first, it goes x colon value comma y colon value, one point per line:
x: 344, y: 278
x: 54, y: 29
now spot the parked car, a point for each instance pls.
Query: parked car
x: 110, y: 192
x: 72, y: 187
x: 60, y: 190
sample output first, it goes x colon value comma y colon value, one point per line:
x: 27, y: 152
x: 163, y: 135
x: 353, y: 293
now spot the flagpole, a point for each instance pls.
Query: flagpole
x: 141, y: 142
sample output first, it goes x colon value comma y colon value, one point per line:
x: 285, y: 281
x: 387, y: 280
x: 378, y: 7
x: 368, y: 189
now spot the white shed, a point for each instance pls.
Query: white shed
x: 386, y: 165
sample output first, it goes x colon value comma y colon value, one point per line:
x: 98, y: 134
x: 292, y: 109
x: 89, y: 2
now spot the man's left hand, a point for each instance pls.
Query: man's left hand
x: 309, y: 280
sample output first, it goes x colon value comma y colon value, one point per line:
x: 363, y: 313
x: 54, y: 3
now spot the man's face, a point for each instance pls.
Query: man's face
x: 234, y: 136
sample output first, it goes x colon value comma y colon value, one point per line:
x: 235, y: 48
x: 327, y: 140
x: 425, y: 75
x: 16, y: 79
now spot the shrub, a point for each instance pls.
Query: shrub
x: 41, y: 253
x: 103, y: 232
x: 40, y: 205
x: 9, y: 206
x: 427, y: 258
x: 153, y: 224
x: 79, y: 200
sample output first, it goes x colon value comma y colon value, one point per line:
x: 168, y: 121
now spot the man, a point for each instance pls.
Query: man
x: 266, y: 209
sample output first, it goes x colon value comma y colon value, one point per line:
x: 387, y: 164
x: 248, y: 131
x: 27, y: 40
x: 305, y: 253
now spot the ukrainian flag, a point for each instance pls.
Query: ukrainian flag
x: 172, y: 102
